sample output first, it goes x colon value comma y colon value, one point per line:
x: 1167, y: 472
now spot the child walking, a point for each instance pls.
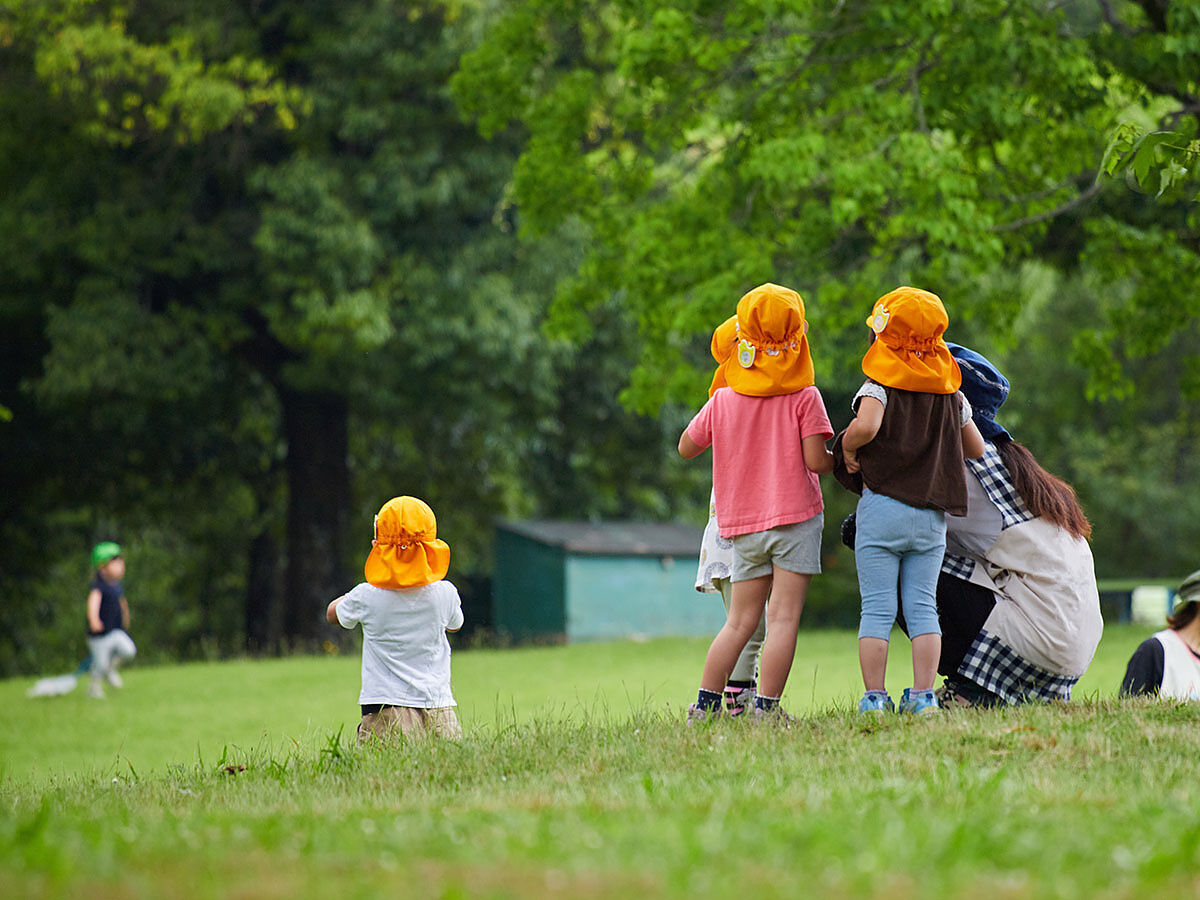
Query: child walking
x: 716, y: 559
x: 904, y: 454
x: 405, y: 609
x: 108, y: 637
x: 768, y: 430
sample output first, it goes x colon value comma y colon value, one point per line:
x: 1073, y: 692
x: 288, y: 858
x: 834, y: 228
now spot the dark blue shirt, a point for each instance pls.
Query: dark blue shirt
x: 110, y: 605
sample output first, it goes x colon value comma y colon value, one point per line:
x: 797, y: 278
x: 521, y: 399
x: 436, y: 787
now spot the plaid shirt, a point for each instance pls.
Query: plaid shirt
x: 993, y: 666
x: 998, y: 486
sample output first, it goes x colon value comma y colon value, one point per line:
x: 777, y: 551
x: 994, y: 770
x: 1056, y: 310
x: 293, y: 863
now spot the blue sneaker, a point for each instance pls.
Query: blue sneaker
x: 876, y: 702
x: 919, y: 703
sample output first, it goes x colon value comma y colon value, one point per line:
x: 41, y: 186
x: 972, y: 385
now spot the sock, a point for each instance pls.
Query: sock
x: 708, y: 700
x: 765, y: 703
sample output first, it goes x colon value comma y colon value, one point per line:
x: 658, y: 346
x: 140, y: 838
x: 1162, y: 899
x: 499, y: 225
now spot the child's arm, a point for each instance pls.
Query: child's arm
x: 816, y: 455
x: 862, y: 430
x: 93, y: 611
x: 688, y: 448
x: 972, y: 441
x: 331, y: 611
x: 124, y: 614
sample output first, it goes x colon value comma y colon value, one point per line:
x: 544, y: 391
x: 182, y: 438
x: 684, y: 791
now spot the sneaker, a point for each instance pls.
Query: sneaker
x: 775, y: 716
x: 876, y: 703
x: 948, y: 697
x: 698, y: 716
x: 96, y: 689
x: 919, y: 703
x: 738, y: 700
x: 114, y: 679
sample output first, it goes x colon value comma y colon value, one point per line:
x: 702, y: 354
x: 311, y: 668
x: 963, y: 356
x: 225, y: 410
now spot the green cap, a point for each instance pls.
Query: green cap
x: 104, y: 552
x: 1188, y: 591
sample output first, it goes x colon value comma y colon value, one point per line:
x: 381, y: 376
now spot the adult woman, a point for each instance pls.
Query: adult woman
x: 1168, y: 663
x: 1017, y: 597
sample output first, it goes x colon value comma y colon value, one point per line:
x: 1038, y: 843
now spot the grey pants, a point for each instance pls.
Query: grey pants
x: 108, y: 650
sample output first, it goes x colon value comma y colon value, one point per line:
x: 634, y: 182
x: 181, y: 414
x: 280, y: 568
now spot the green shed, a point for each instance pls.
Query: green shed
x: 598, y: 581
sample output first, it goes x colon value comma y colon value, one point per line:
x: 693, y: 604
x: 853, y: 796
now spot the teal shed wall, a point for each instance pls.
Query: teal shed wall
x: 615, y: 597
x: 528, y: 588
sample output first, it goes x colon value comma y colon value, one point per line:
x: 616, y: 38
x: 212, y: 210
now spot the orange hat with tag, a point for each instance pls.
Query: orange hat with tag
x: 407, y: 552
x: 771, y: 354
x: 908, y: 352
x: 724, y: 339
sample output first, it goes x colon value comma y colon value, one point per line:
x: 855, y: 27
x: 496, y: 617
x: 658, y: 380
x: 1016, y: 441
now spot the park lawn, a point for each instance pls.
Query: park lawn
x: 169, y: 715
x: 577, y: 779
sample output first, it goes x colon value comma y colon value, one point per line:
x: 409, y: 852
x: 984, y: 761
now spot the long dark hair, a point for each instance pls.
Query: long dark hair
x: 1046, y: 496
x: 1184, y: 615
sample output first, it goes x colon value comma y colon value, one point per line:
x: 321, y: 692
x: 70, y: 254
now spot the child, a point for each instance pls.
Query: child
x: 1167, y: 664
x: 903, y: 452
x: 768, y: 430
x: 716, y: 558
x: 108, y: 637
x: 405, y: 610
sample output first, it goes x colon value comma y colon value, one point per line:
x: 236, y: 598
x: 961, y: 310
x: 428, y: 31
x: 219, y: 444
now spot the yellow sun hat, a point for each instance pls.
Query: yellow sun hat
x: 407, y: 552
x: 771, y: 356
x: 724, y: 339
x: 909, y: 352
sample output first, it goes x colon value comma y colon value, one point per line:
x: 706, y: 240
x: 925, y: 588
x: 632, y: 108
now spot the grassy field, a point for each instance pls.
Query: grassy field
x: 577, y: 779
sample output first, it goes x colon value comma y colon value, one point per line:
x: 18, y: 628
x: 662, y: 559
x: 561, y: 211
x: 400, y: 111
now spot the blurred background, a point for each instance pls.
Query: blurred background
x: 265, y: 265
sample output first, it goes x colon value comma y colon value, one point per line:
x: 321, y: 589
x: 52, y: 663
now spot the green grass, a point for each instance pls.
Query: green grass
x: 577, y: 779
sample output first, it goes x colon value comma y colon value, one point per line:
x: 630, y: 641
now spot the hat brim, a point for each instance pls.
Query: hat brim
x: 769, y: 376
x: 420, y: 563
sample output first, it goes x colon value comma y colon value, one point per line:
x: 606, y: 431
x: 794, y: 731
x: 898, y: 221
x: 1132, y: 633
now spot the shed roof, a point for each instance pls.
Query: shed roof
x: 612, y: 538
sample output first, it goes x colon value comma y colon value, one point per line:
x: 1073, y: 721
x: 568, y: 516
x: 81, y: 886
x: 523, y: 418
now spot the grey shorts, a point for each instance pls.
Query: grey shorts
x: 795, y: 547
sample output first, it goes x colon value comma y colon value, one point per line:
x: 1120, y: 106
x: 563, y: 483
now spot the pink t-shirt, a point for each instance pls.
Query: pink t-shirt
x: 759, y: 476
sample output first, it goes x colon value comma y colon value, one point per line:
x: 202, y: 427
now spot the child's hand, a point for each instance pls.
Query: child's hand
x: 850, y: 457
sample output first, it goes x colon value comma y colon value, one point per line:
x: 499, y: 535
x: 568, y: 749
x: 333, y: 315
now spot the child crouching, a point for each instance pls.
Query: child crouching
x: 405, y: 609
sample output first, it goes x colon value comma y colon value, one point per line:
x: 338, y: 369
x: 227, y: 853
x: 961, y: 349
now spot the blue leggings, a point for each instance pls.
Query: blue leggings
x: 898, y: 545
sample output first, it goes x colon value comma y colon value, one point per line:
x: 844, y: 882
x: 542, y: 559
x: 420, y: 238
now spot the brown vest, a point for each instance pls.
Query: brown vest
x: 917, y: 455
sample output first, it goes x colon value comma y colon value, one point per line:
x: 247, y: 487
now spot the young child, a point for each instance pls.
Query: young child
x: 904, y: 453
x: 716, y: 558
x: 108, y: 637
x: 768, y: 430
x: 405, y: 609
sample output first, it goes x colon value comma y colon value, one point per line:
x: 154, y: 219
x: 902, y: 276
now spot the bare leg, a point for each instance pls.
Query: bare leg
x: 926, y: 651
x: 745, y: 612
x: 783, y: 618
x: 872, y: 659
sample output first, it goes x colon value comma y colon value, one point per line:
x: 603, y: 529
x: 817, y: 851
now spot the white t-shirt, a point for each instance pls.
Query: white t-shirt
x: 406, y: 657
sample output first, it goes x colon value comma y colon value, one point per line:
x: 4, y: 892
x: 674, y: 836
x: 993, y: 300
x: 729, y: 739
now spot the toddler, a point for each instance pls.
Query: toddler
x: 405, y: 609
x: 904, y: 453
x: 108, y: 637
x: 768, y: 429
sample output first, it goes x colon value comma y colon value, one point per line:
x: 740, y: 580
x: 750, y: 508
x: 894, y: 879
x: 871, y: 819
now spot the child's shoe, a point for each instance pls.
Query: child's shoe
x: 877, y: 703
x: 738, y: 700
x: 697, y: 715
x: 773, y: 716
x: 114, y: 679
x: 95, y: 689
x: 919, y: 703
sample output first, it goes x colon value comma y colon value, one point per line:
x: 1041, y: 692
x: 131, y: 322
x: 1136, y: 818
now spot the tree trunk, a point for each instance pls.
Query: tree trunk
x: 318, y: 478
x: 263, y: 619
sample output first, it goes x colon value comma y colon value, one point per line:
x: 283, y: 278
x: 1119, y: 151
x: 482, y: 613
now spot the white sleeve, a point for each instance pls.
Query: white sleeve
x: 453, y: 608
x: 869, y: 389
x: 967, y: 412
x: 350, y: 609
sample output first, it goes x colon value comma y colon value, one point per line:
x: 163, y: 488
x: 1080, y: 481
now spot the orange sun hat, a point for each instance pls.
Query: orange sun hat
x: 908, y: 352
x: 407, y: 552
x: 724, y: 339
x: 771, y: 355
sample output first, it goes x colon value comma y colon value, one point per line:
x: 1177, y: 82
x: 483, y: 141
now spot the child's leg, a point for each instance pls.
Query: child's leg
x: 878, y: 563
x: 919, y: 570
x: 745, y: 611
x: 783, y: 618
x: 747, y: 662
